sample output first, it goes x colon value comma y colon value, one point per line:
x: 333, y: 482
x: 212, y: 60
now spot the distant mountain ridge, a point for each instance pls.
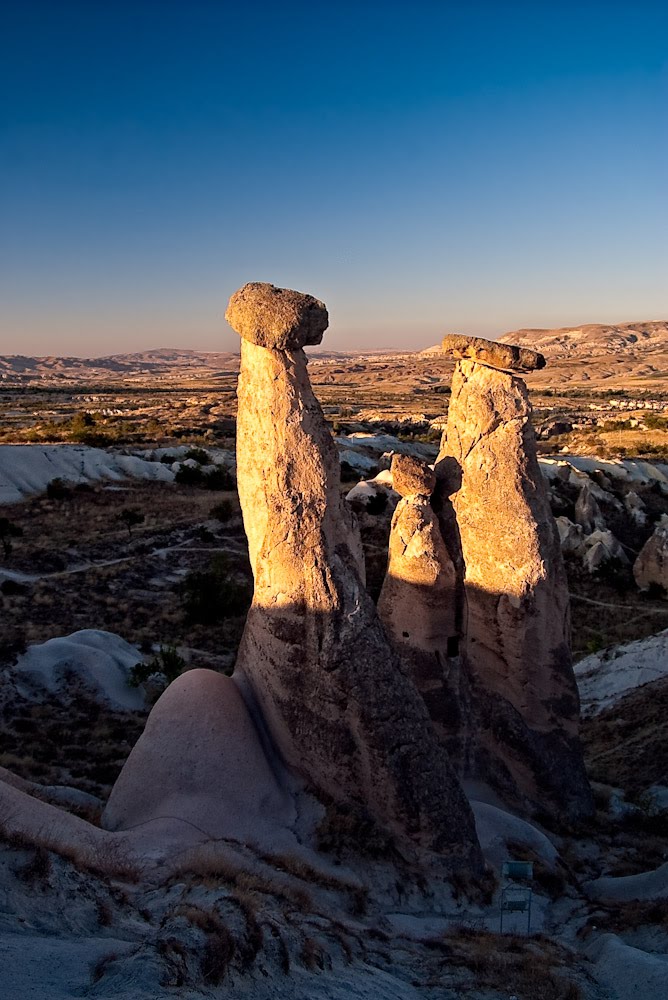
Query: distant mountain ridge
x: 163, y: 362
x: 592, y: 338
x: 636, y: 350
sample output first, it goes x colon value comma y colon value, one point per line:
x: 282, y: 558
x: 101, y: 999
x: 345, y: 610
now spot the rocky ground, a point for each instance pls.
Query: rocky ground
x: 364, y: 928
x: 358, y: 925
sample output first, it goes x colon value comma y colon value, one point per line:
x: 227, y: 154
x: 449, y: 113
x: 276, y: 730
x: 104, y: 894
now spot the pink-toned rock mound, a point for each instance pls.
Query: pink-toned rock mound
x: 200, y: 761
x: 29, y: 820
x: 516, y: 622
x: 314, y: 656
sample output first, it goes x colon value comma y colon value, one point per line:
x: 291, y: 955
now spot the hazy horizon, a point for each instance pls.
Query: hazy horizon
x: 422, y: 169
x: 324, y: 347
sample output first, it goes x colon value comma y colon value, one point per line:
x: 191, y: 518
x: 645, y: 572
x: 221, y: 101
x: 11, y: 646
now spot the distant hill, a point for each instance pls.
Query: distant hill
x: 628, y: 355
x: 167, y: 363
x: 163, y: 362
x: 594, y: 338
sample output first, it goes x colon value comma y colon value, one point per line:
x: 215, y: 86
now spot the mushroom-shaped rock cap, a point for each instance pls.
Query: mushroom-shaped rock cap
x: 276, y: 317
x: 411, y: 476
x: 490, y: 352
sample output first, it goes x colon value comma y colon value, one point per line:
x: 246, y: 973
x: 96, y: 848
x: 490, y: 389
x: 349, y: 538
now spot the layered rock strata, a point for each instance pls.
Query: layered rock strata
x: 315, y: 664
x: 494, y: 503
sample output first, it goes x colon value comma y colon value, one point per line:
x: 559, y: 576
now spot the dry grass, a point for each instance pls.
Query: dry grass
x: 220, y: 945
x: 553, y: 880
x: 529, y: 968
x: 479, y: 890
x: 628, y: 917
x: 358, y: 894
x: 212, y: 869
x: 106, y: 858
x: 345, y: 829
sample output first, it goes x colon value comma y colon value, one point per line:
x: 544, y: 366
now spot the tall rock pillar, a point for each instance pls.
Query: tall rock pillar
x: 418, y: 600
x: 315, y: 663
x: 517, y: 629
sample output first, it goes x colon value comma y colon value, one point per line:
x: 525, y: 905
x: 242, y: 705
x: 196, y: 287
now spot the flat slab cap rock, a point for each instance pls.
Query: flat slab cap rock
x: 277, y: 318
x: 507, y: 357
x: 411, y: 476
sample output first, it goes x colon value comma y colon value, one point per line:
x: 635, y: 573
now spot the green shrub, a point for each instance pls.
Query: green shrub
x: 223, y: 511
x: 198, y: 455
x: 8, y: 531
x: 654, y: 422
x: 219, y: 479
x: 57, y: 490
x: 131, y: 517
x: 212, y: 595
x: 215, y: 479
x: 189, y: 475
x: 166, y: 661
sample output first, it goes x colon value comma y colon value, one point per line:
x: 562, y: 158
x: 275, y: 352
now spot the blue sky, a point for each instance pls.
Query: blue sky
x: 422, y: 167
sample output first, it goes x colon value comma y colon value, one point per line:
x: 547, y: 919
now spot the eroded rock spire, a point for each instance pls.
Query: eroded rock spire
x: 314, y: 662
x: 516, y: 643
x: 417, y: 602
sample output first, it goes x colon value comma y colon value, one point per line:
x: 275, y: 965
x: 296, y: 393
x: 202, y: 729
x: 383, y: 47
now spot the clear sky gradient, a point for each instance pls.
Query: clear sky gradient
x: 422, y: 167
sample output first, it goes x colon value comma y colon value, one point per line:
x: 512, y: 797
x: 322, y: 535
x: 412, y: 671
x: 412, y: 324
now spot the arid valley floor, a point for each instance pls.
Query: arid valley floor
x: 120, y: 522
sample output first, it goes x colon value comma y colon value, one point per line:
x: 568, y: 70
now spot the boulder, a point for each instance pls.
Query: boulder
x: 276, y: 317
x: 411, y: 476
x: 570, y: 536
x: 651, y: 566
x: 635, y: 507
x: 553, y: 428
x: 599, y: 548
x: 587, y: 511
x: 507, y: 357
x: 494, y: 506
x: 315, y: 665
x: 374, y: 495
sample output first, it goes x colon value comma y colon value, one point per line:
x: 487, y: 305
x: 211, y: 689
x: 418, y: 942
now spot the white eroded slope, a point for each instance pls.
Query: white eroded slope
x: 102, y: 660
x: 26, y: 469
x: 605, y: 677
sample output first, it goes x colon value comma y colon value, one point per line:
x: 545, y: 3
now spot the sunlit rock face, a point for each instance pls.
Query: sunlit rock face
x: 515, y: 623
x: 315, y: 664
x: 417, y: 603
x: 507, y: 357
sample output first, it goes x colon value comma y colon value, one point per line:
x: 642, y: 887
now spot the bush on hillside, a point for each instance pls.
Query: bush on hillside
x: 212, y: 595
